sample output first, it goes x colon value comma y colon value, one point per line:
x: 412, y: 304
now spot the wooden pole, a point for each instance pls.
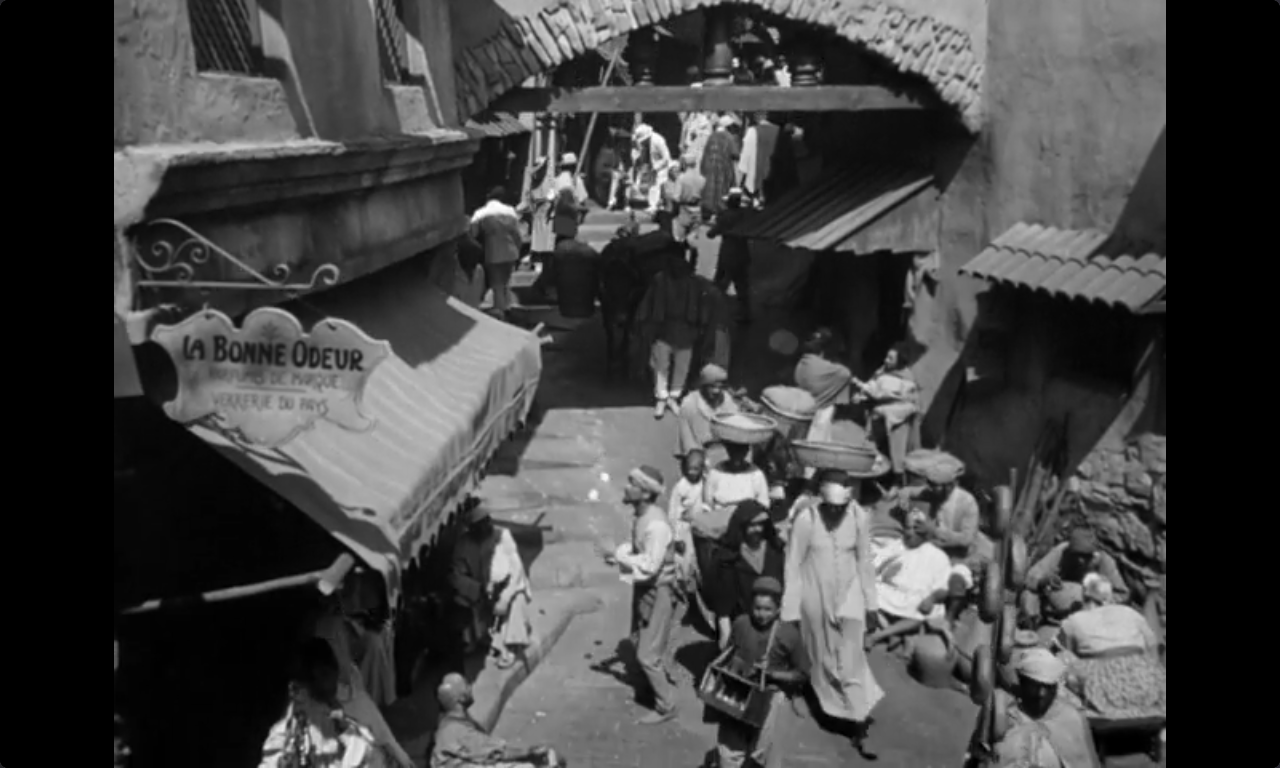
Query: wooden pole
x: 591, y: 124
x: 328, y: 581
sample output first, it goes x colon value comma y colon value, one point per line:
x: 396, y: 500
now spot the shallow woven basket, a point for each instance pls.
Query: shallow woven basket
x: 850, y: 458
x: 761, y: 431
x: 787, y: 422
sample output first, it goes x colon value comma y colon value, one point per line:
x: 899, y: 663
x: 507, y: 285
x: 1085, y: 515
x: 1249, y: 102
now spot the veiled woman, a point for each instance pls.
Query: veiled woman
x: 831, y: 591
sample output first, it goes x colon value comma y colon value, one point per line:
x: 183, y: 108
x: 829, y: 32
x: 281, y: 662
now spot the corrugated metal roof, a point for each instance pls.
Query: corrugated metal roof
x: 1077, y: 264
x: 828, y: 213
x: 499, y: 125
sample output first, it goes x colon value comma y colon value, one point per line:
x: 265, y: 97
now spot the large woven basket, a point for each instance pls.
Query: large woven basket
x: 789, y: 422
x: 857, y: 459
x: 743, y: 428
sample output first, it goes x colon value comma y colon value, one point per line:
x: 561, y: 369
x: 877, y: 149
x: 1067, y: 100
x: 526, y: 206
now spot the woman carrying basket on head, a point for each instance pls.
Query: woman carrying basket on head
x: 729, y: 482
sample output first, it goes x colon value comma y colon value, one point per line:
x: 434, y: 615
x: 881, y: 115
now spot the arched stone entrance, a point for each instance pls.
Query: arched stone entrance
x: 926, y: 38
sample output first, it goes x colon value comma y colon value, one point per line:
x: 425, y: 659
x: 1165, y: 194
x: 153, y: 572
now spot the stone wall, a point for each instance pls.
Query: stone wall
x: 1121, y: 490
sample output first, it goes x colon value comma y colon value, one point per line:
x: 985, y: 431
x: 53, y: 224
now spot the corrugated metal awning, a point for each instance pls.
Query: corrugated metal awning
x: 458, y: 383
x: 499, y: 125
x: 830, y: 212
x: 1075, y: 264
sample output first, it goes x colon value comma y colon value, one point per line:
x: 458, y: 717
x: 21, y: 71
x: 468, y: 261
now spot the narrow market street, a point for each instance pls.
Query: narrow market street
x: 580, y: 700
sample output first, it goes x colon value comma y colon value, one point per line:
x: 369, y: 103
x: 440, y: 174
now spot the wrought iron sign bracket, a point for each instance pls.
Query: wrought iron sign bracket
x: 170, y: 262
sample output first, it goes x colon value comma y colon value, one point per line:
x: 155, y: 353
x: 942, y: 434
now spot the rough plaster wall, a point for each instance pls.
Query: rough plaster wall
x: 333, y: 68
x: 159, y: 96
x: 1075, y: 98
x: 505, y: 42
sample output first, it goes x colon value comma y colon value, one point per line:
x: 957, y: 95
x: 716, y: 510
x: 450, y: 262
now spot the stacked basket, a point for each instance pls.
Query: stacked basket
x: 793, y: 409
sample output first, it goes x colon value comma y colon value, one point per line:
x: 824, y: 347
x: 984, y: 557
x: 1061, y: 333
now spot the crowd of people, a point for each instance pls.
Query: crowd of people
x: 801, y: 570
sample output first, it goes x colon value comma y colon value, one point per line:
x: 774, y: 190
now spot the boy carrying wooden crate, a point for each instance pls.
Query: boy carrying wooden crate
x: 763, y: 644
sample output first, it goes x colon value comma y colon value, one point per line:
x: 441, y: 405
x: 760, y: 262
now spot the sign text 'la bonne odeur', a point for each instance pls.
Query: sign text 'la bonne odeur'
x: 269, y: 379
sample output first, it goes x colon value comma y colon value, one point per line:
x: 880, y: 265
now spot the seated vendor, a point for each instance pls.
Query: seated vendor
x: 1034, y: 726
x: 461, y: 742
x: 912, y: 585
x: 954, y: 514
x: 1114, y: 657
x: 1054, y: 585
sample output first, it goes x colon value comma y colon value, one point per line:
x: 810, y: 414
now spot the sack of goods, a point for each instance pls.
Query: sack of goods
x: 743, y: 428
x: 935, y: 466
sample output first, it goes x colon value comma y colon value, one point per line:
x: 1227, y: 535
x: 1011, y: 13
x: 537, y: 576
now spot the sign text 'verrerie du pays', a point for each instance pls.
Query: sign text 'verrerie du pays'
x: 270, y: 379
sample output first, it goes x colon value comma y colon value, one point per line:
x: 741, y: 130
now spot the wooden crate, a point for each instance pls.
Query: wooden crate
x: 745, y: 700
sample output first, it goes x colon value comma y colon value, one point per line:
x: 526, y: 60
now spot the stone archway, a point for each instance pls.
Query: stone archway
x: 913, y: 40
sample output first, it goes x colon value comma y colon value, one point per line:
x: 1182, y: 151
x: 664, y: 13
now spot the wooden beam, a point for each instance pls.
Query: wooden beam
x: 1154, y: 309
x: 327, y: 581
x: 721, y: 98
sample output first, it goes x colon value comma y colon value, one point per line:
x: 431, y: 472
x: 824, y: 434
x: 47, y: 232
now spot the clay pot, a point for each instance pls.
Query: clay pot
x: 983, y: 683
x: 1016, y: 562
x: 992, y: 599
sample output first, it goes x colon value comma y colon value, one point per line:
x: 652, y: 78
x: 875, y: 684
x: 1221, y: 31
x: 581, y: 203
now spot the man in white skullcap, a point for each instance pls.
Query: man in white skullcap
x: 648, y: 563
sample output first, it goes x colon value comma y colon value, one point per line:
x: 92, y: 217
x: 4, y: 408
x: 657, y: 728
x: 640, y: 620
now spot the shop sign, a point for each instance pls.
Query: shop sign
x: 269, y: 379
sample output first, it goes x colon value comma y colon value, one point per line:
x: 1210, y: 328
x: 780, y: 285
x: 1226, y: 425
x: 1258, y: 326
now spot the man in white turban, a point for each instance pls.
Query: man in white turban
x: 954, y: 514
x: 648, y: 563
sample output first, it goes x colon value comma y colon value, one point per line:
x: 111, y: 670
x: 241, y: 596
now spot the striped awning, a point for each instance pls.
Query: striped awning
x: 458, y: 383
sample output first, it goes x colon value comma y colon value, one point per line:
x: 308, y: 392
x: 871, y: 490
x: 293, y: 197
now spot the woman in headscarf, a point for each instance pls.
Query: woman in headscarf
x: 728, y: 484
x: 831, y: 591
x: 750, y: 549
x: 827, y: 380
x: 1114, y: 657
x: 1034, y: 728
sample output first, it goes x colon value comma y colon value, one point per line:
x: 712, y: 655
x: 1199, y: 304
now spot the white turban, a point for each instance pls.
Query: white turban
x: 1098, y: 588
x: 1042, y: 666
x: 643, y: 131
